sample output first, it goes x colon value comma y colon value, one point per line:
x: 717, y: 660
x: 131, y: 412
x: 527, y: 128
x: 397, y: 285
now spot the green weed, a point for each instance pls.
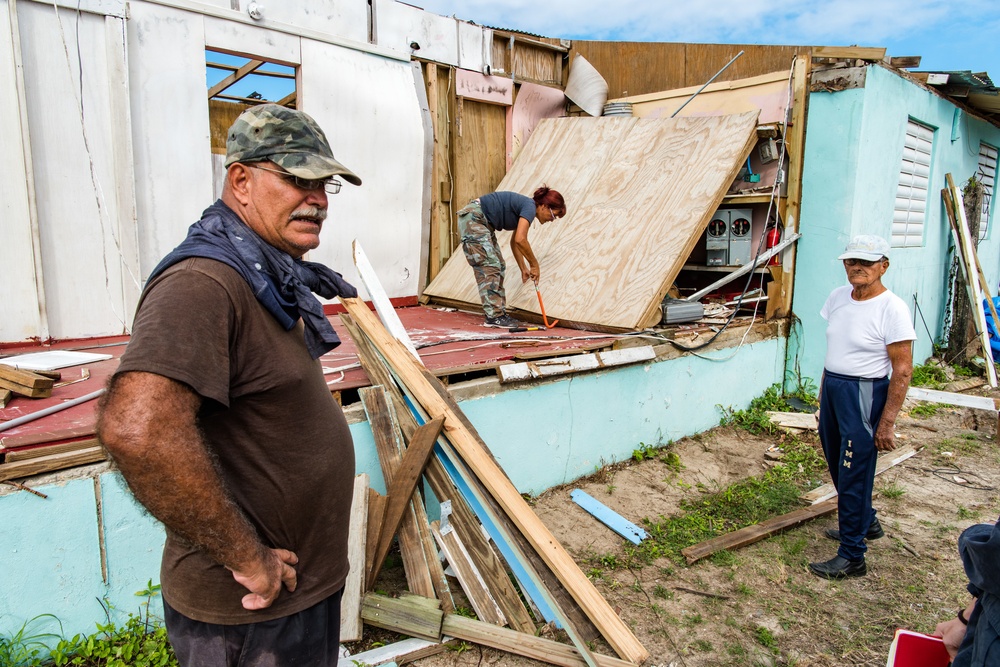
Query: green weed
x: 929, y: 375
x: 765, y: 638
x: 643, y: 452
x: 891, y: 490
x: 925, y: 410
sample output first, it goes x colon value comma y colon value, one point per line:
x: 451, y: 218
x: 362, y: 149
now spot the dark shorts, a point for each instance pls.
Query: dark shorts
x: 310, y: 638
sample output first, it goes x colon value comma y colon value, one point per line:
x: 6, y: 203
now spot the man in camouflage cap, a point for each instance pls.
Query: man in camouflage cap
x: 220, y: 419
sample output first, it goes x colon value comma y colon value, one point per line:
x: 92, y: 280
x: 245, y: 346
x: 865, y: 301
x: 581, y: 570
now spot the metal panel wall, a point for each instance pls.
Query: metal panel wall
x: 81, y: 161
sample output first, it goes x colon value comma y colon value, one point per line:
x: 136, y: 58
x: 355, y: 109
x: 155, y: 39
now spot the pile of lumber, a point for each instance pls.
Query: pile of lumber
x: 513, y: 571
x: 30, y: 384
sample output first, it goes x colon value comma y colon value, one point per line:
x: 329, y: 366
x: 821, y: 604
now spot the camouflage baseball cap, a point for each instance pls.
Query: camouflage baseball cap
x: 289, y: 138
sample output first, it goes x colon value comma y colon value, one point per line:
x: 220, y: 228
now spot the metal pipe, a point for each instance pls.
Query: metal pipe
x: 706, y: 84
x: 50, y: 410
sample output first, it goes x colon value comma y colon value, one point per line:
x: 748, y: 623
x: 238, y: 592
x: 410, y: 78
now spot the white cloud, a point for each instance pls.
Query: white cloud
x: 807, y: 22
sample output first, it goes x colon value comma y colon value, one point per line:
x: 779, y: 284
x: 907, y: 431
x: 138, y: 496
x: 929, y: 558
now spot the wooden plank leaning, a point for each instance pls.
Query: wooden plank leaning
x: 974, y: 278
x: 428, y: 391
x: 350, y: 604
x: 404, y: 472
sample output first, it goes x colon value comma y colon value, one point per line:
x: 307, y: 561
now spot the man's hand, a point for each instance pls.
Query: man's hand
x: 885, y: 438
x: 264, y: 581
x: 953, y: 632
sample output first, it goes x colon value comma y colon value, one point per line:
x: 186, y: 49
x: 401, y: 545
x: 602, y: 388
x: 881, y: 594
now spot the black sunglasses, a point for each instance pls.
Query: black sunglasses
x: 850, y: 261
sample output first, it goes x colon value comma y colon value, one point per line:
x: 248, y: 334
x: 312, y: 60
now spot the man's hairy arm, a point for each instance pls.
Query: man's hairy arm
x: 901, y: 359
x: 148, y: 423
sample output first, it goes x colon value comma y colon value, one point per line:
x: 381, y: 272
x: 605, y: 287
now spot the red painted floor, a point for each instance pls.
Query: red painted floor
x: 446, y: 340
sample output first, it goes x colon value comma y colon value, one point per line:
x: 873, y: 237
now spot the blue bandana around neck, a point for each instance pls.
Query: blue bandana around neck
x: 283, y: 285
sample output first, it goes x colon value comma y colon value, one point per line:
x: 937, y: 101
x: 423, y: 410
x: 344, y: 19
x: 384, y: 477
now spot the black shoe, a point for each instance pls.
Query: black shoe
x: 839, y: 568
x: 503, y: 321
x: 874, y: 531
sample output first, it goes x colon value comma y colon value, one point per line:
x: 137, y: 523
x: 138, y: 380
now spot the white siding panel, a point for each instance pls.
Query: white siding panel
x: 19, y: 310
x: 369, y: 109
x: 171, y: 139
x: 912, y: 191
x: 399, y: 25
x: 72, y: 125
x: 237, y: 37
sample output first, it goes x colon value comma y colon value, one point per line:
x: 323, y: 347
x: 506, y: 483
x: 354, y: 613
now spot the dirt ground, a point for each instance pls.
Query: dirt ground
x: 759, y: 605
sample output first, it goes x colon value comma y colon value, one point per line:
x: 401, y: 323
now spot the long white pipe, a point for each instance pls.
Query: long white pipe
x: 50, y: 410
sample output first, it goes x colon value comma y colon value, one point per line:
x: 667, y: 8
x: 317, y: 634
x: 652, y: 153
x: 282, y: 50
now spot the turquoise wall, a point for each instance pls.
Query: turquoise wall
x: 544, y: 434
x: 854, y: 147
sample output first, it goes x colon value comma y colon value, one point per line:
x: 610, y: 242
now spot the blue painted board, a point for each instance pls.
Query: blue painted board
x: 608, y: 516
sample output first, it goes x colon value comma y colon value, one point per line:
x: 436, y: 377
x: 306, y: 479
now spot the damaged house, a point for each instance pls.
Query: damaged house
x: 700, y: 242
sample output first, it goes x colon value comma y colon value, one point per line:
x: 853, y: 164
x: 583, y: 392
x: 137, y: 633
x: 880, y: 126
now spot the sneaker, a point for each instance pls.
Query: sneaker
x: 504, y: 321
x: 839, y: 567
x: 874, y: 531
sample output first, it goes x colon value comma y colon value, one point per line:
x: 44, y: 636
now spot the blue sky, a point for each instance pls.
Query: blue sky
x: 962, y: 35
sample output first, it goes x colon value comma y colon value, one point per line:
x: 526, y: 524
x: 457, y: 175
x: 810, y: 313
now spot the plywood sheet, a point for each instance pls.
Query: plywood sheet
x: 639, y: 192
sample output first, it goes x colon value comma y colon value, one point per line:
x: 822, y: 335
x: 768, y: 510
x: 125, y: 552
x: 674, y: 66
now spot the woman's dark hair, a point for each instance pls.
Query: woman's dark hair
x: 545, y: 196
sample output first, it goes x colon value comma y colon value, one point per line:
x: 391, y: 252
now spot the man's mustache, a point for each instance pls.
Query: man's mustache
x: 310, y: 213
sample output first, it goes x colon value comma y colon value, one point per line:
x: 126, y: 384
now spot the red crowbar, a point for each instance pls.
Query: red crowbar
x: 541, y: 305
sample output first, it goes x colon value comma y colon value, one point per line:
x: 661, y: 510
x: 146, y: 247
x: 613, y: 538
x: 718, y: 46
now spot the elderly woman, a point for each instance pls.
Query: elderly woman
x: 478, y: 224
x: 869, y: 332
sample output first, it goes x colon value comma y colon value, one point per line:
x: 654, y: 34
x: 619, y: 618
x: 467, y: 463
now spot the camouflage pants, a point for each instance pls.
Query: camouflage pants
x: 479, y: 242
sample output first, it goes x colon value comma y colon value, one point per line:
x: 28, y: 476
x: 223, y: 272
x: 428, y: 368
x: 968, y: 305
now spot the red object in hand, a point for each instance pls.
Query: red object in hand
x: 773, y: 239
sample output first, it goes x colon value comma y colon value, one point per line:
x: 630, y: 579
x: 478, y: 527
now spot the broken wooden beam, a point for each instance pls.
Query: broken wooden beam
x: 412, y: 615
x: 40, y: 464
x: 402, y: 485
x: 519, y: 643
x: 757, y: 532
x: 350, y: 605
x: 25, y: 383
x: 468, y: 575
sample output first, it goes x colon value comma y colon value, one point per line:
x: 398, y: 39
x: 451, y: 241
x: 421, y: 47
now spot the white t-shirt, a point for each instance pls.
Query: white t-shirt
x: 858, y: 332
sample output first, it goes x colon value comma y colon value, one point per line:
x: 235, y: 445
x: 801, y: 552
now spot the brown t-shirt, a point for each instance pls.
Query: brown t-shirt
x: 281, y: 441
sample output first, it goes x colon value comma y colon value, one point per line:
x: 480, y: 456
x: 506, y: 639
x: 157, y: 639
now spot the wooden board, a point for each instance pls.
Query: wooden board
x: 639, y: 192
x: 521, y: 644
x: 885, y: 461
x: 388, y: 445
x: 801, y: 420
x: 949, y: 398
x: 42, y: 464
x: 757, y: 532
x: 350, y: 604
x: 468, y: 575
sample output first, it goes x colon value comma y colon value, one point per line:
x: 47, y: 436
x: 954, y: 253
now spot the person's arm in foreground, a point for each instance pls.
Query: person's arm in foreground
x: 901, y: 359
x: 148, y: 423
x: 953, y: 631
x: 522, y: 252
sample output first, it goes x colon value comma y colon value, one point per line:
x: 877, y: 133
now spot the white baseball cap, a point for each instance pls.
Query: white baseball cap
x: 868, y: 247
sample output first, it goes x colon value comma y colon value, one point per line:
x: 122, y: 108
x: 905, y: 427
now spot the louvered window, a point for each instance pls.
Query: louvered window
x: 911, y: 194
x: 987, y: 176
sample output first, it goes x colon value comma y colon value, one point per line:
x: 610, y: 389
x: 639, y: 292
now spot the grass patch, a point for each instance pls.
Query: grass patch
x: 925, y: 410
x: 744, y: 503
x: 891, y: 490
x: 931, y: 376
x: 755, y: 420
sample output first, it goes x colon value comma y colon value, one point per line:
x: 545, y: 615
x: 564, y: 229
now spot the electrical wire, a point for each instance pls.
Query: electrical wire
x: 760, y: 246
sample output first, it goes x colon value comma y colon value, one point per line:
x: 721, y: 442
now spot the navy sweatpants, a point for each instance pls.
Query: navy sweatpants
x: 850, y: 409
